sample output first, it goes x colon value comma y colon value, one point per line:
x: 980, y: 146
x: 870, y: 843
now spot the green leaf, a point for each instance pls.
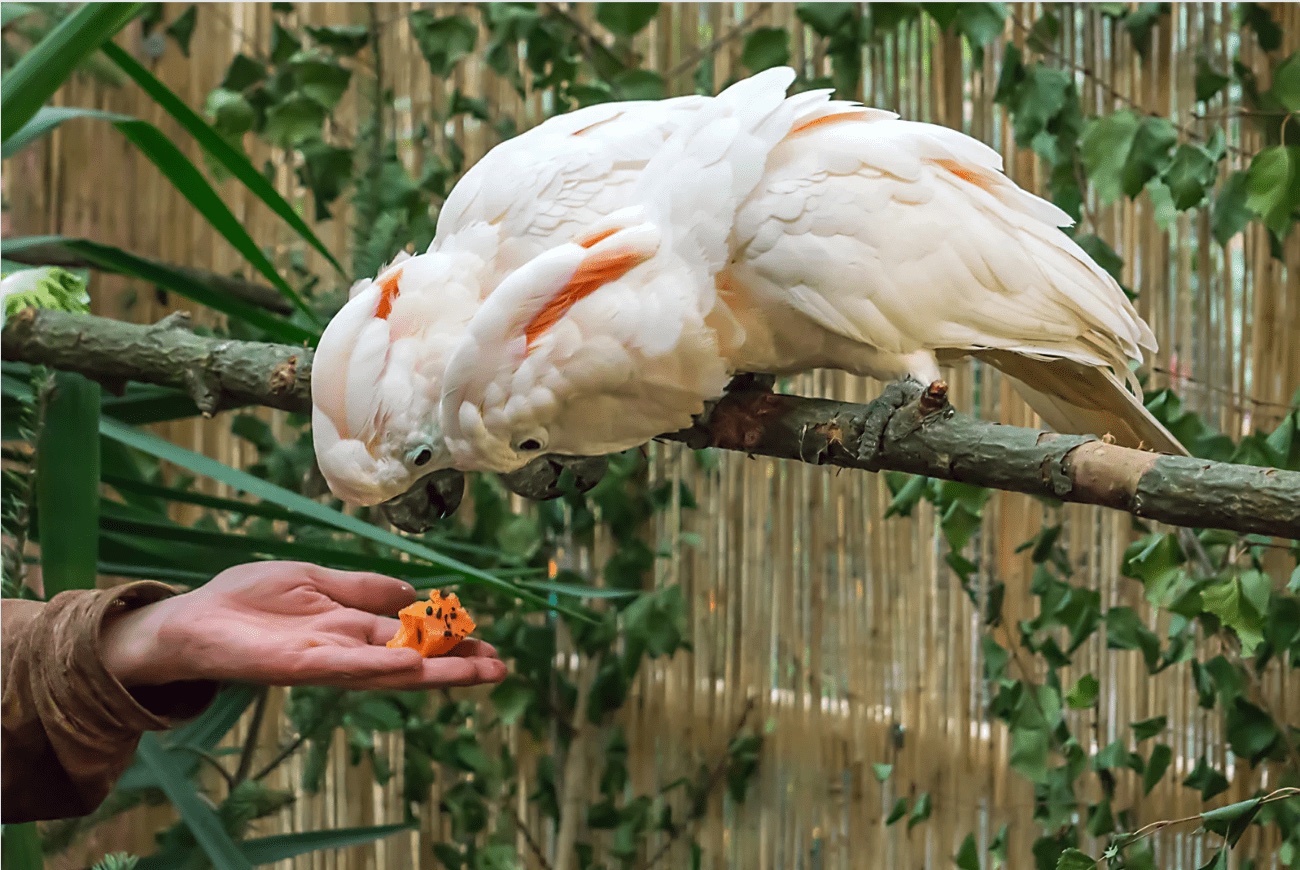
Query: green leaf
x: 765, y: 48
x: 243, y: 73
x: 1208, y: 780
x: 626, y: 20
x: 1149, y: 153
x: 899, y: 810
x: 882, y: 771
x: 243, y: 481
x: 1209, y: 81
x: 1231, y: 821
x: 1190, y: 176
x: 1257, y: 18
x: 183, y: 282
x: 442, y: 41
x: 1286, y: 83
x: 1124, y: 630
x: 197, y: 815
x: 182, y: 29
x: 639, y: 84
x: 67, y: 484
x: 1084, y: 693
x: 920, y: 810
x: 187, y: 180
x: 968, y: 856
x: 1230, y: 212
x: 283, y: 44
x: 320, y: 76
x: 1073, y: 859
x: 1156, y: 765
x: 1273, y: 186
x: 512, y: 697
x: 21, y: 844
x: 1252, y: 733
x: 39, y: 73
x: 346, y: 39
x: 295, y: 120
x: 1228, y: 601
x: 1104, y: 150
x: 230, y: 111
x: 826, y: 18
x: 1149, y: 728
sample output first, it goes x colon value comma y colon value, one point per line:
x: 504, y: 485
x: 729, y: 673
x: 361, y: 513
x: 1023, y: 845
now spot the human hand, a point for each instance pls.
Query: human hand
x: 286, y: 624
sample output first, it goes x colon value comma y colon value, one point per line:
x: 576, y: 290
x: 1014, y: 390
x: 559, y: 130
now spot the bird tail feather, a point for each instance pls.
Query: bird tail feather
x: 1078, y: 399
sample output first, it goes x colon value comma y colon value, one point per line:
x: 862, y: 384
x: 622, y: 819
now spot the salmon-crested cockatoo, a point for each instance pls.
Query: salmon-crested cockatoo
x: 594, y: 281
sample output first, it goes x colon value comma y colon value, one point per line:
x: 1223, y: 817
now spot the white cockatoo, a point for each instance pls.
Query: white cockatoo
x: 594, y: 281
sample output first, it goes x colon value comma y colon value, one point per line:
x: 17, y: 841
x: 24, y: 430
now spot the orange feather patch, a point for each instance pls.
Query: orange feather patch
x: 978, y: 177
x: 593, y: 240
x: 595, y: 272
x: 388, y: 294
x: 828, y: 119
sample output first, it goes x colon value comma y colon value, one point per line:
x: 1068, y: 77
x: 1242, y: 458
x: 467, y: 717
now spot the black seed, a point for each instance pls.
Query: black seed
x: 446, y: 634
x: 428, y: 611
x: 419, y: 636
x: 439, y: 613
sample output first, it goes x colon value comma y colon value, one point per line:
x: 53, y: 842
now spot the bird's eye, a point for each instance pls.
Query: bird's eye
x: 422, y: 456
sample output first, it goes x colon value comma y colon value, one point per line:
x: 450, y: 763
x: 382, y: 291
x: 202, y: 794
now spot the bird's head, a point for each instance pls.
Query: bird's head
x: 376, y: 377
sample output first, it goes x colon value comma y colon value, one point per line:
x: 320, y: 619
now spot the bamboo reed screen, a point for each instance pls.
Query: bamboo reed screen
x: 849, y: 632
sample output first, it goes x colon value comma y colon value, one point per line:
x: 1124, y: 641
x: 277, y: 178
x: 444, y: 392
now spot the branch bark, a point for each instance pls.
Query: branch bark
x: 907, y: 429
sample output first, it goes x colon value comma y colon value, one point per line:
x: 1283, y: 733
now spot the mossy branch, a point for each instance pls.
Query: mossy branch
x: 907, y: 429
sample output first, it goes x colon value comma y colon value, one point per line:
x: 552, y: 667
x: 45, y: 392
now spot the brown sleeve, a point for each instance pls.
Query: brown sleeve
x: 70, y: 728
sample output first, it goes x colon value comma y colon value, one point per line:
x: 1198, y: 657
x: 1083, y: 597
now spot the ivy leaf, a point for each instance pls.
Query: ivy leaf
x: 283, y: 44
x: 1162, y: 204
x: 320, y: 76
x: 294, y: 121
x: 1190, y: 175
x: 1273, y: 186
x: 1252, y: 733
x: 1140, y: 21
x: 1149, y: 728
x: 1231, y: 821
x: 1084, y: 693
x: 346, y: 39
x: 626, y: 20
x: 1230, y: 214
x: 882, y: 771
x: 1073, y: 859
x: 920, y: 810
x: 1208, y: 780
x: 1149, y: 153
x: 182, y: 29
x: 1104, y: 150
x: 243, y: 73
x: 231, y: 113
x: 1236, y: 608
x: 968, y: 856
x: 512, y: 697
x: 826, y: 18
x: 765, y: 48
x: 1044, y: 33
x: 1286, y: 82
x: 899, y: 810
x: 443, y: 41
x: 1124, y: 630
x: 639, y: 84
x: 325, y: 169
x: 1157, y: 764
x: 1257, y: 18
x: 1209, y: 81
x: 1030, y: 746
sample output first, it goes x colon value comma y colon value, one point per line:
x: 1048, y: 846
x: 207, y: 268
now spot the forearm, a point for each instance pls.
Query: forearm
x: 70, y: 725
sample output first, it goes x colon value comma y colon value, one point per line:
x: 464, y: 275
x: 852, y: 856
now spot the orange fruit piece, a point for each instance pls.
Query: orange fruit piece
x: 433, y: 627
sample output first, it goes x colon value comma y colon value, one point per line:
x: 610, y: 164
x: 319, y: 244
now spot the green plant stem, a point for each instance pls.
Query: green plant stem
x: 906, y: 429
x: 254, y: 729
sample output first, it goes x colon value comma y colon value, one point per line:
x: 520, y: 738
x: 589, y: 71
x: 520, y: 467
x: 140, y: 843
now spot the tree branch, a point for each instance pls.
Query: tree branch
x: 906, y: 429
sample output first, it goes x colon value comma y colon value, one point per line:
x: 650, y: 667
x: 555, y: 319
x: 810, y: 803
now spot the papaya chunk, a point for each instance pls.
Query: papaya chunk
x: 433, y: 627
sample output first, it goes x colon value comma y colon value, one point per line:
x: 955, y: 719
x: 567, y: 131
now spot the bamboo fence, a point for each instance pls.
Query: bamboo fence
x: 849, y: 633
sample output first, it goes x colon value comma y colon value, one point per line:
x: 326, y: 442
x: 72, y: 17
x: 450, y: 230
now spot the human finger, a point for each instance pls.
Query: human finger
x: 437, y: 673
x: 472, y: 647
x: 363, y: 590
x: 332, y: 665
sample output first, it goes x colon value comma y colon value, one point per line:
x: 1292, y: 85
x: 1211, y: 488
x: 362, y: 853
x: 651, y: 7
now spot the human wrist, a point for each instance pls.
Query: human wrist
x: 139, y: 647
